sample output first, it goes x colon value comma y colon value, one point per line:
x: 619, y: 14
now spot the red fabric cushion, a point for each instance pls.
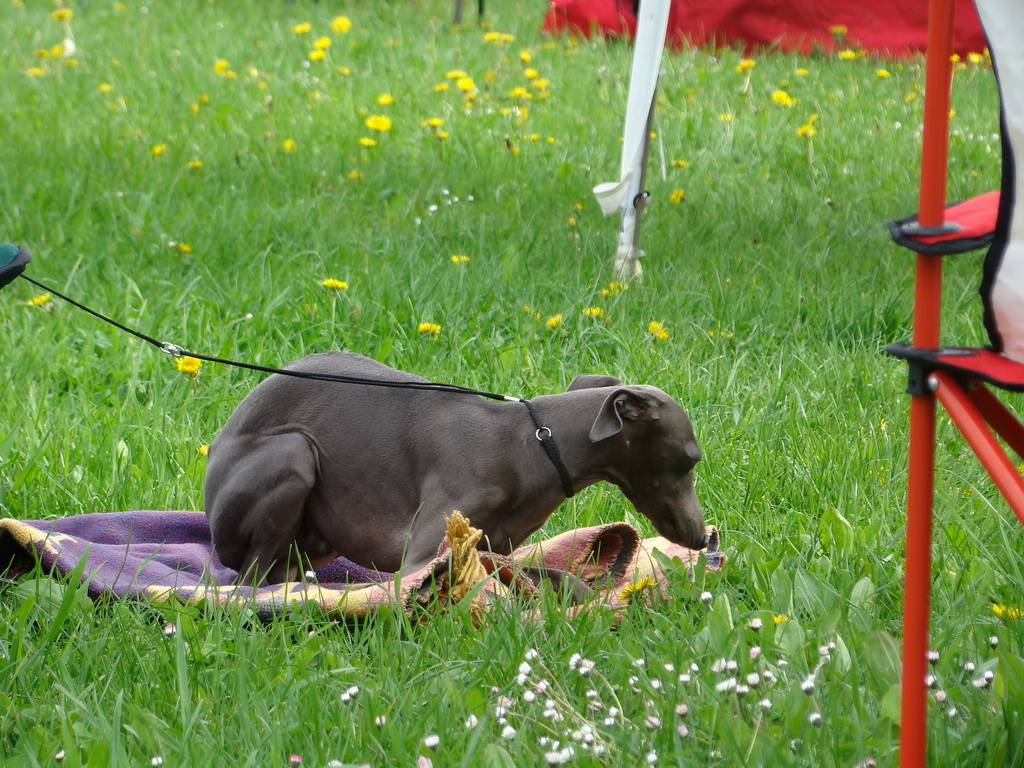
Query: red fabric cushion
x: 896, y: 27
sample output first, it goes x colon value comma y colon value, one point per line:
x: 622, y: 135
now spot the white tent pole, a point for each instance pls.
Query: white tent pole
x: 627, y: 195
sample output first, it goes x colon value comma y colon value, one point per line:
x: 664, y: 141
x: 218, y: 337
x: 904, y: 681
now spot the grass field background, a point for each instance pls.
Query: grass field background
x: 198, y: 169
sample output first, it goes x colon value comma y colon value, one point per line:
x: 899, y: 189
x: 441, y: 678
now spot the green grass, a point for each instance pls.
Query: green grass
x: 774, y: 278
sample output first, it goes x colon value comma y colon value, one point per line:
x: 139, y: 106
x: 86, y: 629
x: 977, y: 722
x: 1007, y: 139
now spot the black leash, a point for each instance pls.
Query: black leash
x: 15, y: 268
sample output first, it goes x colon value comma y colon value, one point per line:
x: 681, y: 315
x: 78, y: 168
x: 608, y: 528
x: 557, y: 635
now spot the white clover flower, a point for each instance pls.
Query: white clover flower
x: 989, y: 675
x: 157, y: 761
x: 755, y: 623
x: 531, y: 654
x: 380, y: 720
x: 969, y: 666
x: 951, y: 713
x: 669, y: 666
x: 765, y: 704
x: 529, y: 697
x: 684, y: 678
x: 931, y: 681
x: 586, y: 666
x: 170, y: 630
x: 731, y: 665
x: 807, y: 686
x: 431, y: 741
x: 472, y: 721
x: 769, y: 676
x: 542, y: 686
x: 639, y: 662
x: 706, y: 597
x: 682, y: 710
x: 574, y: 660
x: 815, y: 718
x: 682, y: 730
x: 742, y: 690
x: 933, y: 657
x: 656, y: 684
x: 591, y: 693
x: 940, y: 696
x: 508, y: 732
x: 652, y: 757
x: 753, y: 679
x: 993, y: 641
x: 980, y: 682
x: 525, y: 668
x: 718, y: 666
x: 652, y: 722
x: 521, y: 679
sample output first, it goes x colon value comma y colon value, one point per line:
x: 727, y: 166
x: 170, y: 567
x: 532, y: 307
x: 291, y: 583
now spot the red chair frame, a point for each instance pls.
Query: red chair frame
x: 960, y: 389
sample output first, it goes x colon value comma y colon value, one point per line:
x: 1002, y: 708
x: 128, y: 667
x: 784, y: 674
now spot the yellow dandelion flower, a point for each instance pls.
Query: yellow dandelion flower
x: 530, y: 73
x: 105, y: 87
x: 677, y: 196
x: 204, y: 99
x: 157, y: 149
x: 35, y: 72
x: 975, y: 58
x: 837, y: 30
x: 355, y: 175
x: 636, y: 587
x: 553, y: 322
x: 40, y: 300
x: 385, y: 99
x: 334, y: 285
x: 782, y: 98
x: 526, y: 56
x: 188, y: 365
x: 378, y: 123
x: 595, y: 312
x: 195, y: 164
x: 433, y: 122
x: 571, y: 221
x: 882, y: 73
x: 429, y: 329
x: 62, y: 14
x: 465, y: 84
x: 302, y: 29
x: 184, y: 248
x: 340, y: 25
x: 367, y: 142
x: 725, y: 117
x: 507, y: 38
x: 344, y: 71
x: 520, y: 93
x: 317, y: 54
x: 541, y: 83
x: 745, y: 65
x: 657, y: 330
x: 203, y: 449
x: 455, y: 74
x: 41, y: 53
x: 1007, y: 611
x: 459, y: 258
x: 57, y: 50
x: 807, y: 130
x: 193, y: 108
x: 848, y: 55
x: 288, y: 145
x: 778, y: 618
x: 322, y: 43
x: 680, y: 164
x: 440, y: 87
x: 220, y: 66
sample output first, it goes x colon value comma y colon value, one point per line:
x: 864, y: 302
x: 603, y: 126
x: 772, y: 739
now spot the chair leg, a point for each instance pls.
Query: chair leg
x: 1002, y: 419
x: 917, y: 585
x: 972, y: 426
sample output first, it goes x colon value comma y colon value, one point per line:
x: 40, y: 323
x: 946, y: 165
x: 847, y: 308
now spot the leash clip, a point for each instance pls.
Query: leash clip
x: 172, y: 349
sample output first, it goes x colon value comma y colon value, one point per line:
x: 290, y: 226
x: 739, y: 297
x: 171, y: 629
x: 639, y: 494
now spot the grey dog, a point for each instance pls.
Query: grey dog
x: 305, y: 471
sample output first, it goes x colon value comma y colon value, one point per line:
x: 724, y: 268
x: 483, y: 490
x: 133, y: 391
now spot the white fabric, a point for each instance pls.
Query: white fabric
x: 1003, y: 21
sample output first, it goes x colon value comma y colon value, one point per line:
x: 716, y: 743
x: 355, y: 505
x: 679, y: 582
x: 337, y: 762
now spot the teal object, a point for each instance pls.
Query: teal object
x: 13, y: 260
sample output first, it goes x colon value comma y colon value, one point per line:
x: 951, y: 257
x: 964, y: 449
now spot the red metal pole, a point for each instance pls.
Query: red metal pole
x: 921, y: 472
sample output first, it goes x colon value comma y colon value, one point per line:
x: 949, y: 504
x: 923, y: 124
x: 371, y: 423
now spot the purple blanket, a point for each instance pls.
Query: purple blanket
x: 167, y: 556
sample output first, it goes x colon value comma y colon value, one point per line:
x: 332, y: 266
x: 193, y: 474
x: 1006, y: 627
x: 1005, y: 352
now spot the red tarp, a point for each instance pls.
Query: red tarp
x: 894, y: 27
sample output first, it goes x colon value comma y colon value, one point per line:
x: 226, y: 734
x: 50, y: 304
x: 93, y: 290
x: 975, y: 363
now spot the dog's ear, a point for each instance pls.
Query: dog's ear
x: 627, y: 404
x: 592, y: 381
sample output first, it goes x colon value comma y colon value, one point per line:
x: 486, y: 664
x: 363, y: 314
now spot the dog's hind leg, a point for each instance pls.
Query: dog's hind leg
x: 256, y: 505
